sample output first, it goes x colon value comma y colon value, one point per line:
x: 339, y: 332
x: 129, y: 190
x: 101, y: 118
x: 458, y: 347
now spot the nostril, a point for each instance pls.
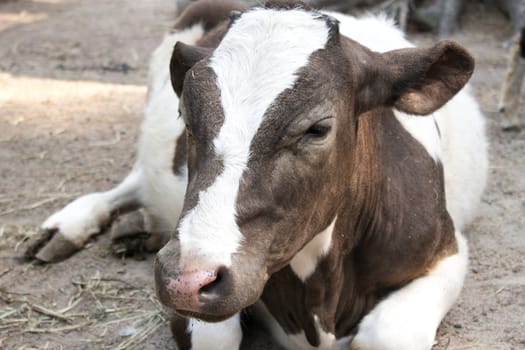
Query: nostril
x: 214, y: 285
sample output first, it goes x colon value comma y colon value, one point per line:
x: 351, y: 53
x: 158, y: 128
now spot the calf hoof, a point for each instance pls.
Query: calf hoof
x: 130, y: 237
x: 509, y: 120
x: 49, y: 245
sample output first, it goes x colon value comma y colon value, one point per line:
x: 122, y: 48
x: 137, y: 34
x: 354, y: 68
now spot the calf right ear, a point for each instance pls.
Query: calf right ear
x: 424, y: 79
x: 417, y: 81
x: 183, y: 58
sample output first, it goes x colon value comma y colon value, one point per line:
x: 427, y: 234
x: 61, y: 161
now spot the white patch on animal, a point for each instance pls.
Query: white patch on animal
x: 464, y: 155
x: 422, y: 129
x: 158, y: 135
x: 408, y: 318
x: 257, y: 59
x: 305, y: 261
x: 225, y: 335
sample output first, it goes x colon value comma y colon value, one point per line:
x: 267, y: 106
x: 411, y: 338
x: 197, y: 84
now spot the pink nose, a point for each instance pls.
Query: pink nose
x: 190, y: 289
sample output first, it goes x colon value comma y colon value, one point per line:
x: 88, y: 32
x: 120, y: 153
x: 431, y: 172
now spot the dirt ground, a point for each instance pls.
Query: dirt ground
x: 72, y: 88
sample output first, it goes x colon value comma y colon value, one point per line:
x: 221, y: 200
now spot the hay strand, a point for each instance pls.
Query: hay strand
x: 35, y: 205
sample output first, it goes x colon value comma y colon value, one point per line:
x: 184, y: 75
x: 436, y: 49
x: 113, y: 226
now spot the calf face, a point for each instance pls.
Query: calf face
x: 271, y: 118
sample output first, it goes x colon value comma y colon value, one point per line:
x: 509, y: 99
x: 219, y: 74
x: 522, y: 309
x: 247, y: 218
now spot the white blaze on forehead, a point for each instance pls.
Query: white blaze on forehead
x: 257, y: 60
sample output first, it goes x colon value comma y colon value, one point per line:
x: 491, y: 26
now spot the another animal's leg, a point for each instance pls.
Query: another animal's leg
x: 409, y: 317
x: 512, y: 83
x: 441, y: 16
x: 67, y: 230
x: 397, y: 9
x: 448, y: 23
x: 197, y: 335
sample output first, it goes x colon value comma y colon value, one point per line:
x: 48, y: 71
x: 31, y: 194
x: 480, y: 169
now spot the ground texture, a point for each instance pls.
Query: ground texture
x: 72, y: 88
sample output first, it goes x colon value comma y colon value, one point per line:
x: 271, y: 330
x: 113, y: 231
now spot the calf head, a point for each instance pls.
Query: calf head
x: 271, y: 118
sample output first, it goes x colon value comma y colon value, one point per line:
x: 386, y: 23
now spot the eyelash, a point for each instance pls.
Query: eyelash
x: 316, y: 131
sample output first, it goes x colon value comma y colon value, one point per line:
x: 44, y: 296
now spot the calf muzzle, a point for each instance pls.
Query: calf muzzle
x: 194, y: 289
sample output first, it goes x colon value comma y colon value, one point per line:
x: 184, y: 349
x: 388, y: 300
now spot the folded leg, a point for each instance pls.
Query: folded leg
x: 67, y: 230
x: 409, y: 317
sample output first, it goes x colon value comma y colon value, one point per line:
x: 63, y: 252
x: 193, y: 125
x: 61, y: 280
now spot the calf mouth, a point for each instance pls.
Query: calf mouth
x: 204, y: 316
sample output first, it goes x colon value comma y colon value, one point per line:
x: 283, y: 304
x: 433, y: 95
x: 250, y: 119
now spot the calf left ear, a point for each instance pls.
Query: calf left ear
x: 183, y: 58
x: 421, y: 80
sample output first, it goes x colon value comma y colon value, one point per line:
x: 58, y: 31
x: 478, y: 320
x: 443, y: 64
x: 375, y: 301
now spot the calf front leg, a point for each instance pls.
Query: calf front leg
x: 192, y: 334
x: 409, y: 317
x: 67, y: 230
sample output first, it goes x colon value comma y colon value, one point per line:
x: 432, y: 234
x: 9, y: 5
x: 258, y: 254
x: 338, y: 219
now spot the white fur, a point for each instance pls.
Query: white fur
x: 305, y: 261
x: 85, y: 216
x: 158, y: 135
x: 225, y: 335
x: 424, y: 130
x: 464, y: 155
x: 375, y: 32
x: 408, y: 318
x: 257, y: 59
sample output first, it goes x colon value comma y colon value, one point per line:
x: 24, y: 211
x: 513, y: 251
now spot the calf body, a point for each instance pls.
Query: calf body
x: 314, y: 195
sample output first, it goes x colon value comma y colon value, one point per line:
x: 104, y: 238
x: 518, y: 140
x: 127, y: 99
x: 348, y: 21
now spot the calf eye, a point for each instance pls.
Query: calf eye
x: 318, y: 130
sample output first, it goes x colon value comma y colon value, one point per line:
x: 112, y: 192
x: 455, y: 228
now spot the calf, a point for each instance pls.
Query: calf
x: 305, y: 181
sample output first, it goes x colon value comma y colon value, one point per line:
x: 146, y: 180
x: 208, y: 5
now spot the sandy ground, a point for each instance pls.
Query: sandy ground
x: 72, y: 87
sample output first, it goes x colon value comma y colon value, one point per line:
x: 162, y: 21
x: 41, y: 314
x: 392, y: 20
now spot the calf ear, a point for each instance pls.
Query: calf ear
x: 183, y: 58
x: 421, y: 80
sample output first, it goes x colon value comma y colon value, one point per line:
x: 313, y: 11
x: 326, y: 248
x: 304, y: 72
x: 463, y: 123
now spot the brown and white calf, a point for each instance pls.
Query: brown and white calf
x: 305, y: 181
